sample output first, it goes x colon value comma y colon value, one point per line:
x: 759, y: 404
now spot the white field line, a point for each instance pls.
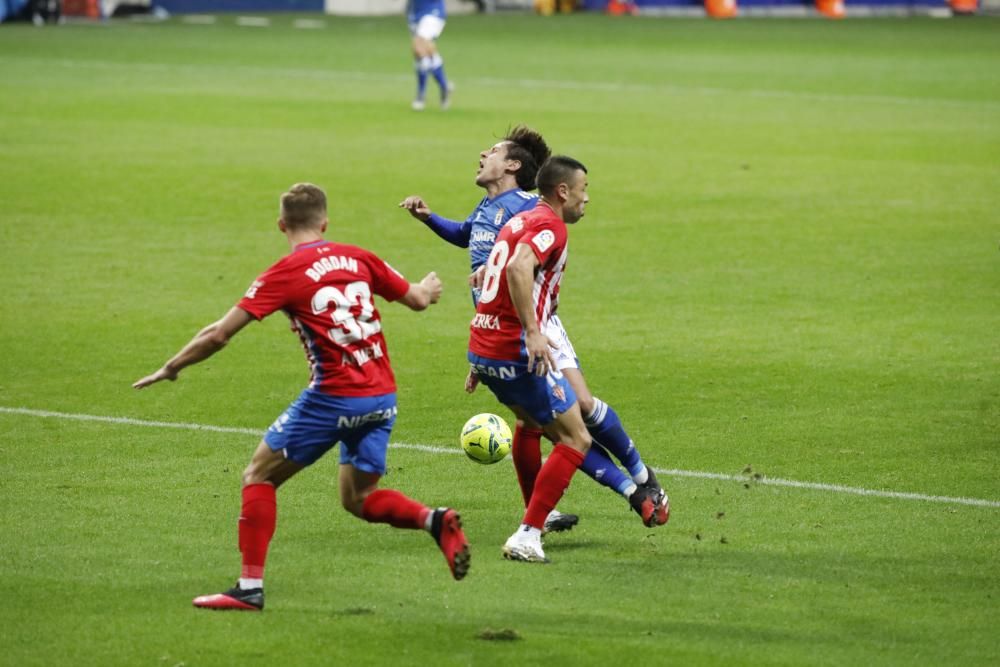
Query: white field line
x: 767, y: 481
x: 253, y: 21
x: 611, y: 87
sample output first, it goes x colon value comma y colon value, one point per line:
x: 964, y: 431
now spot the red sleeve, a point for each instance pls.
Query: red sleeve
x: 545, y: 239
x: 265, y: 295
x: 387, y: 282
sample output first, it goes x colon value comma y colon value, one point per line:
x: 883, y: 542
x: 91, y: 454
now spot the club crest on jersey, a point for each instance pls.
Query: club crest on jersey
x: 516, y: 224
x: 544, y: 239
x: 499, y: 219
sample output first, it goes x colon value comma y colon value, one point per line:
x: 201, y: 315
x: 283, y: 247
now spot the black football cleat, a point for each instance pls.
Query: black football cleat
x: 557, y: 522
x: 661, y: 512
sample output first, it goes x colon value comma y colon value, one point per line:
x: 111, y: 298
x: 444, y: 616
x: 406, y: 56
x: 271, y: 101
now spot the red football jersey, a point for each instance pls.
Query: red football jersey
x: 496, y: 331
x: 327, y: 291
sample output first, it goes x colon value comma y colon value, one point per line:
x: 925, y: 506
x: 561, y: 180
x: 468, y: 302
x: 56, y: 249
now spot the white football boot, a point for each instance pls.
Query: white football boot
x: 525, y: 545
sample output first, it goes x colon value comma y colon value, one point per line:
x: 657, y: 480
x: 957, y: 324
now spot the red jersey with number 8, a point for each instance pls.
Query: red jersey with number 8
x: 496, y: 331
x: 327, y: 290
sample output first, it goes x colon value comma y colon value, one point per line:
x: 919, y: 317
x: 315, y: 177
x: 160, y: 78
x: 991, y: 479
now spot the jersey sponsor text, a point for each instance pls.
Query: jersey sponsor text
x: 502, y: 372
x: 357, y: 420
x: 363, y: 355
x: 483, y: 236
x: 485, y: 321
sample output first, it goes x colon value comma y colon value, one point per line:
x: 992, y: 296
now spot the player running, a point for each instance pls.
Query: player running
x: 327, y: 291
x: 507, y: 172
x: 426, y: 19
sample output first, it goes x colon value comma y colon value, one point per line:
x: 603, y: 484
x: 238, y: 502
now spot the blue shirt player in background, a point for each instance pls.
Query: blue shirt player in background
x: 507, y: 172
x: 426, y: 19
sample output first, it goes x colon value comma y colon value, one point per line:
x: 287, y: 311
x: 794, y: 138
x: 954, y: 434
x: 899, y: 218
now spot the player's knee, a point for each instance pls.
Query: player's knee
x: 252, y: 475
x: 354, y: 502
x: 586, y: 402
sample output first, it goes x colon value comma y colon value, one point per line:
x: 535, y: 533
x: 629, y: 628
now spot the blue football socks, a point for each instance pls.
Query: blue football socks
x: 598, y: 465
x: 437, y: 69
x: 423, y: 67
x: 606, y: 429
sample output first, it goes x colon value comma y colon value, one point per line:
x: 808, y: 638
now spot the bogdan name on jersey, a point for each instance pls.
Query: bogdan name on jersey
x: 481, y: 321
x: 323, y: 266
x: 358, y: 420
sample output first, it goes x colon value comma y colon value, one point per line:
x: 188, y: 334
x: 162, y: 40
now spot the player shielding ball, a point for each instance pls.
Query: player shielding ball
x: 327, y: 290
x: 511, y: 354
x: 507, y: 173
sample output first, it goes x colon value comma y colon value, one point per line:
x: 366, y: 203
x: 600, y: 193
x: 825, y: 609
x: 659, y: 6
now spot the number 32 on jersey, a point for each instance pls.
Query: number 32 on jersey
x: 350, y: 328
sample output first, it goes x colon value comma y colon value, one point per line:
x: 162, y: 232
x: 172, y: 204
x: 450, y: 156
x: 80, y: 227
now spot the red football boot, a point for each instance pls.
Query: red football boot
x: 446, y: 527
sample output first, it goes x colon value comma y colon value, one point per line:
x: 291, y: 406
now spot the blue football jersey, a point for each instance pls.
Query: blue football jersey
x: 419, y: 8
x: 489, y: 217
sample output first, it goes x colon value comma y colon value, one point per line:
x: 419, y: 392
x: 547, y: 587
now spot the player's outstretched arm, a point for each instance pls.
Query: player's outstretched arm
x: 422, y: 294
x: 417, y: 207
x: 455, y: 233
x: 205, y: 343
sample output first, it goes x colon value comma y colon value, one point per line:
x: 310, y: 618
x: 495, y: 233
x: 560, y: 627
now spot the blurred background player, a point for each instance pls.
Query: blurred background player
x: 427, y: 19
x: 510, y: 352
x: 327, y: 290
x: 507, y: 172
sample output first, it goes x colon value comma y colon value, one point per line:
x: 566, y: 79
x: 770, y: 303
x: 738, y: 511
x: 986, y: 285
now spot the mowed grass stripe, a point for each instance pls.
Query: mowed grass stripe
x: 768, y: 481
x: 525, y: 83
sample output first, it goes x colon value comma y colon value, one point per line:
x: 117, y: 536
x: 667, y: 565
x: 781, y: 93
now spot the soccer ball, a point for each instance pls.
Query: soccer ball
x: 486, y: 438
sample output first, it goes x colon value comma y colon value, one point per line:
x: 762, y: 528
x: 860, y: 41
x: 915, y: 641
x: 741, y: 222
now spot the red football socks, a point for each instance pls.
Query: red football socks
x: 394, y: 508
x: 553, y: 479
x: 526, y: 451
x: 256, y: 527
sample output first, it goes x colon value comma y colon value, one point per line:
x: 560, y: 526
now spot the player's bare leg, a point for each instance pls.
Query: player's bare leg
x: 267, y: 471
x: 360, y: 495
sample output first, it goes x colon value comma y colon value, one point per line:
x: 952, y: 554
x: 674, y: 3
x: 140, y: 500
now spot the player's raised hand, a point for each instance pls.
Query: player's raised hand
x: 433, y: 285
x: 417, y: 207
x: 162, y: 374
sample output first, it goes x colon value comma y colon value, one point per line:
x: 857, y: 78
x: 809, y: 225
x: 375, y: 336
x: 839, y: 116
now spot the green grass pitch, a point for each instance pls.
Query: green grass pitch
x: 790, y: 262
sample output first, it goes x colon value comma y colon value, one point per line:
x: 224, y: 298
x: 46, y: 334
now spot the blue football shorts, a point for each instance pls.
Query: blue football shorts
x: 542, y: 397
x: 315, y: 422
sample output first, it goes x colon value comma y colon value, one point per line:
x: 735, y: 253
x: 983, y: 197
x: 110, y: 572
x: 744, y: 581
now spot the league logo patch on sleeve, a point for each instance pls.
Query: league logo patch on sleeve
x: 544, y: 239
x: 252, y: 290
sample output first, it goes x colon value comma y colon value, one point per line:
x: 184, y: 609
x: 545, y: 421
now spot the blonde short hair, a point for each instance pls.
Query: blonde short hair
x: 304, y: 205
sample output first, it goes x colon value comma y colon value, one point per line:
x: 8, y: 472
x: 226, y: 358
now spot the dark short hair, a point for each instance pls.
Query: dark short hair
x: 529, y: 148
x: 557, y: 169
x: 304, y: 205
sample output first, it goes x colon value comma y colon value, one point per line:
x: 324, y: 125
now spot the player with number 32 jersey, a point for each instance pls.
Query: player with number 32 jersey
x: 326, y: 290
